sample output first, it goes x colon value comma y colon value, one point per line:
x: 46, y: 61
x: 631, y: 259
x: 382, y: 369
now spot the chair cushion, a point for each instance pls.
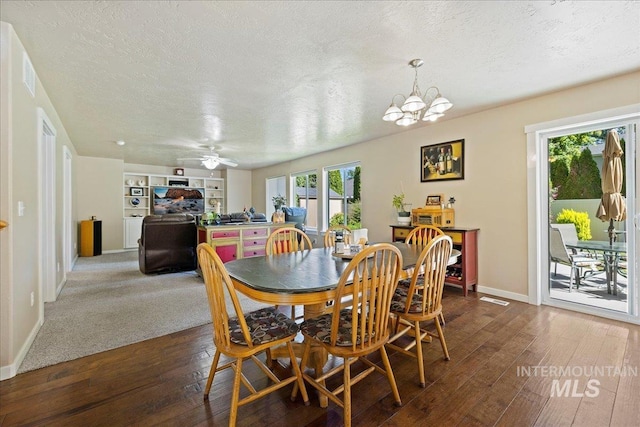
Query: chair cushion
x: 319, y: 328
x: 406, y: 282
x: 399, y: 300
x: 265, y: 325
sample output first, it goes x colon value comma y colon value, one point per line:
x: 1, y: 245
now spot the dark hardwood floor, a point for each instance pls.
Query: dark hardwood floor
x: 160, y: 381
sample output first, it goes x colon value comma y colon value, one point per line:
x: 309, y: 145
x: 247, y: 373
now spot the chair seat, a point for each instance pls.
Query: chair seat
x: 399, y: 300
x: 319, y: 328
x: 265, y: 325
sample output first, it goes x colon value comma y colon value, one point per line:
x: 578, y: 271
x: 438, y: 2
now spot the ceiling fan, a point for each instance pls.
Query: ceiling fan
x: 212, y: 160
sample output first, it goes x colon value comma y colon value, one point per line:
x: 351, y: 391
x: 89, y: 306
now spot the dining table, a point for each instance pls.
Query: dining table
x: 308, y: 278
x: 611, y: 253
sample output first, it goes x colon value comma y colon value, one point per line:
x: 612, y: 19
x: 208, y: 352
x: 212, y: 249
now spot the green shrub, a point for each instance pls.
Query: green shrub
x: 583, y: 181
x: 579, y: 219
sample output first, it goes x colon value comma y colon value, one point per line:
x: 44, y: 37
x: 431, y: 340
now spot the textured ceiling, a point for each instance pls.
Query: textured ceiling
x: 268, y: 82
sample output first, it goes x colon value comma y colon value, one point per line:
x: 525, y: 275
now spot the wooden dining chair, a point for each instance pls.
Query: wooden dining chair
x: 333, y: 231
x: 285, y: 240
x: 422, y: 235
x: 243, y: 336
x: 353, y: 333
x: 421, y: 301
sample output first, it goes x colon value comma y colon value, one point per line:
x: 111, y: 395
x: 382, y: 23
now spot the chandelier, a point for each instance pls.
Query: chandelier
x: 428, y: 108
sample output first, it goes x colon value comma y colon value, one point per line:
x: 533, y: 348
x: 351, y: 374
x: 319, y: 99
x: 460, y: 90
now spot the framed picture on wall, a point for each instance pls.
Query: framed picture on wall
x: 443, y: 161
x: 136, y: 191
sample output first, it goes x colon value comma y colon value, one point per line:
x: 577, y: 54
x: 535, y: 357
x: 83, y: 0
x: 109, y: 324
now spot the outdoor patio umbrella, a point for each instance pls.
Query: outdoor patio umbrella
x: 612, y: 205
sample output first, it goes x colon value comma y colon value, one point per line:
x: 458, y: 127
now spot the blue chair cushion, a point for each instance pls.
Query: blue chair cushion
x: 265, y: 325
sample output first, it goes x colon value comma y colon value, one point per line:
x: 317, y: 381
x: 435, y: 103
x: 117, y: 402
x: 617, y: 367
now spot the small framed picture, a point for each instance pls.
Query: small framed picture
x: 178, y: 171
x: 135, y: 191
x: 434, y: 200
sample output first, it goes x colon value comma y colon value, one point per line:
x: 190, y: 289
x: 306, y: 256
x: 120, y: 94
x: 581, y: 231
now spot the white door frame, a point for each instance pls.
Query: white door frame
x: 538, y: 204
x: 67, y: 209
x: 46, y: 209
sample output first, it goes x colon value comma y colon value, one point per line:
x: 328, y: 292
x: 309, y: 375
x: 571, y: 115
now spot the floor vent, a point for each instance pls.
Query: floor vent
x: 28, y: 75
x: 494, y: 301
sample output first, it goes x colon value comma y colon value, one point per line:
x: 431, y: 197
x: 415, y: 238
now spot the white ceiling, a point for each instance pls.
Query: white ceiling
x: 268, y: 82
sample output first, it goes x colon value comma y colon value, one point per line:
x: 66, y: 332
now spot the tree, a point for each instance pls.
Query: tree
x: 583, y: 181
x: 564, y: 148
x: 356, y: 184
x: 335, y: 181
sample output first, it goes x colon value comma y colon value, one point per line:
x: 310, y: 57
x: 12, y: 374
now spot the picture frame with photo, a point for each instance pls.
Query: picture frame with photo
x: 442, y: 161
x: 136, y: 191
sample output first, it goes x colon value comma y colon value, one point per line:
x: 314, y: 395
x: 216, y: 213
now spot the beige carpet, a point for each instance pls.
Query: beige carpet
x: 108, y: 303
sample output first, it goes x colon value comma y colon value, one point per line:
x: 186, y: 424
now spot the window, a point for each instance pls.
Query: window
x: 275, y: 187
x: 305, y: 195
x: 343, y: 196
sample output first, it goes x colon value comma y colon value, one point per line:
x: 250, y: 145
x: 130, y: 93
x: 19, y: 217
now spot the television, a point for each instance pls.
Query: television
x: 168, y: 200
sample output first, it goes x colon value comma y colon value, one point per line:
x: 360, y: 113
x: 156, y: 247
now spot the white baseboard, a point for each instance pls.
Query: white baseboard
x: 10, y: 371
x: 504, y: 294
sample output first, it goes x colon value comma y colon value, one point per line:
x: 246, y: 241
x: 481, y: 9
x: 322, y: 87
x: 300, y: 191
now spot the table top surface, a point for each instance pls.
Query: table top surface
x: 599, y: 245
x: 315, y: 270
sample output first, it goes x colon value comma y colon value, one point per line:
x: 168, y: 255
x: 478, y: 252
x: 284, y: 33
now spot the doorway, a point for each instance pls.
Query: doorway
x: 67, y: 217
x: 549, y: 280
x: 47, y: 209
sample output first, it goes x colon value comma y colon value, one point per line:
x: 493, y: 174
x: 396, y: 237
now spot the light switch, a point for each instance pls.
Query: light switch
x: 20, y: 208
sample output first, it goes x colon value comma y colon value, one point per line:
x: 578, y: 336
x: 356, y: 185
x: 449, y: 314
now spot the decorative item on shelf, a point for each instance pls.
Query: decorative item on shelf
x: 141, y: 182
x: 452, y: 200
x: 415, y: 107
x: 178, y: 171
x: 134, y: 202
x: 404, y: 209
x: 277, y: 217
x: 136, y: 191
x: 435, y: 212
x: 129, y: 182
x: 279, y: 201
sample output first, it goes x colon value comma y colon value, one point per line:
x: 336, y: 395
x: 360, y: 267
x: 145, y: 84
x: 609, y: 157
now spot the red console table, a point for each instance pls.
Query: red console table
x: 464, y: 273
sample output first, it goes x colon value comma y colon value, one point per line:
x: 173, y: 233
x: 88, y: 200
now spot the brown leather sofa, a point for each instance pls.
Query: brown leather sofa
x: 168, y: 243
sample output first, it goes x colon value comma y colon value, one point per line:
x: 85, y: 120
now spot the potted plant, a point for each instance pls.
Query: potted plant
x: 279, y: 201
x: 404, y: 214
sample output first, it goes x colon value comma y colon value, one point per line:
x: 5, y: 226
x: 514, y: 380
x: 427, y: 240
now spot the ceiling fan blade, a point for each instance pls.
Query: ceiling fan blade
x: 227, y: 162
x: 192, y: 158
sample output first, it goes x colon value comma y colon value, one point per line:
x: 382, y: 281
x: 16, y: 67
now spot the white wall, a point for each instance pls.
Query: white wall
x: 238, y: 190
x: 493, y: 195
x: 101, y: 200
x: 19, y: 321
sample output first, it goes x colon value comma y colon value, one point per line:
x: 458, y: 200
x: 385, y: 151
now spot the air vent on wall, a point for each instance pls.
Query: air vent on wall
x: 28, y: 75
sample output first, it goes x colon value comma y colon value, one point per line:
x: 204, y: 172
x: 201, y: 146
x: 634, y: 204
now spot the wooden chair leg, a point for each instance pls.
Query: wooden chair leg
x: 346, y: 394
x: 235, y: 394
x: 390, y: 377
x: 441, y: 316
x: 416, y: 327
x: 442, y: 341
x: 212, y: 372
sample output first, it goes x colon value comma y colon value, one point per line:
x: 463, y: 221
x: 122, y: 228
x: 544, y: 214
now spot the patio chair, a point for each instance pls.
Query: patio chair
x: 560, y: 254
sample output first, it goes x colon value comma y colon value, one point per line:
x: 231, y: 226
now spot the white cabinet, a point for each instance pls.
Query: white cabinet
x: 137, y: 197
x: 132, y: 231
x: 138, y: 191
